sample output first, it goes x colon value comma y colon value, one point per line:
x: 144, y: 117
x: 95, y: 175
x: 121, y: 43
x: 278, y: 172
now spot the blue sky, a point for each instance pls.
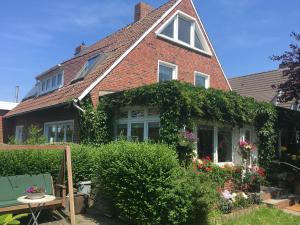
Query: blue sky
x: 36, y: 35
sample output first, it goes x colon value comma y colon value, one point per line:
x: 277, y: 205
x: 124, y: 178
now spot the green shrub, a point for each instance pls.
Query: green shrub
x: 145, y: 184
x: 225, y: 205
x: 49, y: 161
x: 240, y: 201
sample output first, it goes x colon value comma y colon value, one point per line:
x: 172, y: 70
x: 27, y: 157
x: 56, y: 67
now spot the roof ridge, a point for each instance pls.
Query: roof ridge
x: 254, y: 74
x: 115, y: 33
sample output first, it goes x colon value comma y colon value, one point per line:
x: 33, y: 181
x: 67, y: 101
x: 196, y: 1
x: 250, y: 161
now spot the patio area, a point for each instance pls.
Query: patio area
x: 92, y: 217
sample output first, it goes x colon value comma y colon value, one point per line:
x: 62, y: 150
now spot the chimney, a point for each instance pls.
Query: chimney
x: 17, y: 94
x: 141, y: 10
x: 80, y: 48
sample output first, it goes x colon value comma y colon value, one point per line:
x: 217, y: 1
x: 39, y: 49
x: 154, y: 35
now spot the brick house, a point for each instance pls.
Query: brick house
x: 166, y: 43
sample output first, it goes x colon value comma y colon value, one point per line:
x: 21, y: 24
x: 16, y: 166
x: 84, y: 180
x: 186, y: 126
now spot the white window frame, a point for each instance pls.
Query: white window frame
x: 51, y: 88
x: 215, y: 142
x: 174, y: 67
x: 206, y: 76
x: 195, y: 27
x: 129, y: 121
x: 16, y: 136
x: 64, y: 122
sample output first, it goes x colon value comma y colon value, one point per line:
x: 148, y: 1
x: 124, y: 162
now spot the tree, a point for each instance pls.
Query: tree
x: 290, y: 62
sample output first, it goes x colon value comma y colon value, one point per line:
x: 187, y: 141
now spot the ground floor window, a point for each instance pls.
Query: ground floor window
x: 138, y: 124
x: 215, y: 142
x: 61, y: 131
x: 19, y: 134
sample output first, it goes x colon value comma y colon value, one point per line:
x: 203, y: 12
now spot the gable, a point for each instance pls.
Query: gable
x: 184, y: 30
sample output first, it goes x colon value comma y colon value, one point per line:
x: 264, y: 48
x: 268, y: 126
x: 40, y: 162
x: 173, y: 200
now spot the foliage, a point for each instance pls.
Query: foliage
x: 225, y: 205
x: 49, y: 161
x: 9, y: 219
x: 186, y: 146
x: 35, y: 136
x: 290, y: 89
x: 240, y: 201
x: 183, y: 105
x: 146, y: 185
x: 264, y: 216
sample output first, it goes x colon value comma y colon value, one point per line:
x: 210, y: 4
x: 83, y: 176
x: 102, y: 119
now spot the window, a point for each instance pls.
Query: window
x: 224, y: 145
x: 185, y: 30
x: 138, y: 124
x: 59, y: 131
x: 153, y: 131
x: 137, y: 131
x: 169, y: 30
x: 19, y: 135
x: 205, y: 145
x: 215, y: 142
x: 51, y: 83
x: 166, y: 71
x: 201, y: 80
x: 295, y: 107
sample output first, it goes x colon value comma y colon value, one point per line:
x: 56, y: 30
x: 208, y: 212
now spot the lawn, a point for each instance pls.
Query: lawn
x: 265, y: 216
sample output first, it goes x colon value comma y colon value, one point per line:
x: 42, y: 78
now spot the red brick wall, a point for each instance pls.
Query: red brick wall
x: 38, y: 119
x: 141, y: 65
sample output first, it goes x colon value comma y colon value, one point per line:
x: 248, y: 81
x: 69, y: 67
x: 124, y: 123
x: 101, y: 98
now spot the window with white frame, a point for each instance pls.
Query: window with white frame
x: 201, y: 80
x: 166, y: 71
x: 215, y: 142
x: 19, y: 134
x: 138, y: 124
x: 51, y: 83
x: 185, y: 30
x: 61, y: 131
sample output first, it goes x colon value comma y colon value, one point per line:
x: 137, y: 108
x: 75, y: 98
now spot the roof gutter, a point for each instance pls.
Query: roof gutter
x: 75, y: 104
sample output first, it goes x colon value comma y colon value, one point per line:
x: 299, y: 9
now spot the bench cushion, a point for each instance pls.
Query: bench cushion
x: 13, y: 187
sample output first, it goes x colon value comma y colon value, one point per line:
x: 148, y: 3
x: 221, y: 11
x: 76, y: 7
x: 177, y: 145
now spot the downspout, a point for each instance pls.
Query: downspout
x: 75, y: 101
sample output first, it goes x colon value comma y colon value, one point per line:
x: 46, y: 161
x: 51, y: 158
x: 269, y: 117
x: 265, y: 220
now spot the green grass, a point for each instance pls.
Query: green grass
x: 265, y: 216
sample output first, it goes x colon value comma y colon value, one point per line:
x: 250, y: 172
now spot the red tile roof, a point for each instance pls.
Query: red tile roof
x: 114, y: 45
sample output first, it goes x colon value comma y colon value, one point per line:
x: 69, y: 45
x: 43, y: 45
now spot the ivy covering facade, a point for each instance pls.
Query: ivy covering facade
x: 182, y: 104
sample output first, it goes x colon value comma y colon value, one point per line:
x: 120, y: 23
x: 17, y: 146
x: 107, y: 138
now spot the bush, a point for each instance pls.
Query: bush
x: 225, y: 205
x: 35, y: 162
x: 145, y: 184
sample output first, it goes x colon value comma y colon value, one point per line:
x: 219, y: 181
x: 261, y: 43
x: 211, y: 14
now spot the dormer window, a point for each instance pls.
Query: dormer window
x: 51, y: 83
x: 184, y: 30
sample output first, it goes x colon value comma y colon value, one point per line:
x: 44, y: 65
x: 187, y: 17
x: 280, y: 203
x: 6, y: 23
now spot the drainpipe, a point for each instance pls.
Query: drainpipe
x: 77, y: 106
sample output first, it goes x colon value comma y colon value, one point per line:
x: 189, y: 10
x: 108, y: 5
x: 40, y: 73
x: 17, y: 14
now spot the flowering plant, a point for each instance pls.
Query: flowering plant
x: 186, y: 146
x: 253, y: 177
x: 35, y: 189
x: 246, y: 146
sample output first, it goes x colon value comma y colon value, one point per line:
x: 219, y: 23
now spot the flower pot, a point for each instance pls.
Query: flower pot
x: 35, y: 195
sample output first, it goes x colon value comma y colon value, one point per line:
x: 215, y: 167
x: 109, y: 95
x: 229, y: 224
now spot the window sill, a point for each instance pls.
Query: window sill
x: 184, y: 44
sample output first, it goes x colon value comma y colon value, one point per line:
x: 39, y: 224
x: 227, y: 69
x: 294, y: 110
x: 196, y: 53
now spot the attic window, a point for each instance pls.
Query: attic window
x: 89, y: 65
x: 184, y: 30
x: 50, y: 83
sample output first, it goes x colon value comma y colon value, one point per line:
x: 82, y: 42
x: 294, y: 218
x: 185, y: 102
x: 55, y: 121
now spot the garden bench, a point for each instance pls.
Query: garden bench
x: 12, y: 187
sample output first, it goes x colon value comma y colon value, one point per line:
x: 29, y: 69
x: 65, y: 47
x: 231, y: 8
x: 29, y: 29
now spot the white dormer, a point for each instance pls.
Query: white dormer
x: 50, y: 80
x: 184, y: 30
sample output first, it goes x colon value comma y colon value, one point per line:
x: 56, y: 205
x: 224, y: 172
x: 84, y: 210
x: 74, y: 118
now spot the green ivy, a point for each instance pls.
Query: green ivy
x: 184, y: 104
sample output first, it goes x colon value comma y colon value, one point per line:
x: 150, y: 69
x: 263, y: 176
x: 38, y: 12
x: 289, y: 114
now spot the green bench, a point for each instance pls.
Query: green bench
x: 12, y: 187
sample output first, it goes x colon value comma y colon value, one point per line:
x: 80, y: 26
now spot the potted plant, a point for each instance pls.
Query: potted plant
x: 35, y: 192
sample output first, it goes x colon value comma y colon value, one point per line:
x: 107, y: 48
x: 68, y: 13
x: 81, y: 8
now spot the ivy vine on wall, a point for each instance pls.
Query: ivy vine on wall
x: 183, y: 104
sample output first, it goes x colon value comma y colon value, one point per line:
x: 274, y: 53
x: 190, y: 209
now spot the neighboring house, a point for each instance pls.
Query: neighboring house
x: 259, y: 86
x: 5, y: 107
x: 167, y: 43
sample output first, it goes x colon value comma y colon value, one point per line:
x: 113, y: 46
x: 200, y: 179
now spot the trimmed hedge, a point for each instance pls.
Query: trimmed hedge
x: 145, y: 184
x: 35, y: 162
